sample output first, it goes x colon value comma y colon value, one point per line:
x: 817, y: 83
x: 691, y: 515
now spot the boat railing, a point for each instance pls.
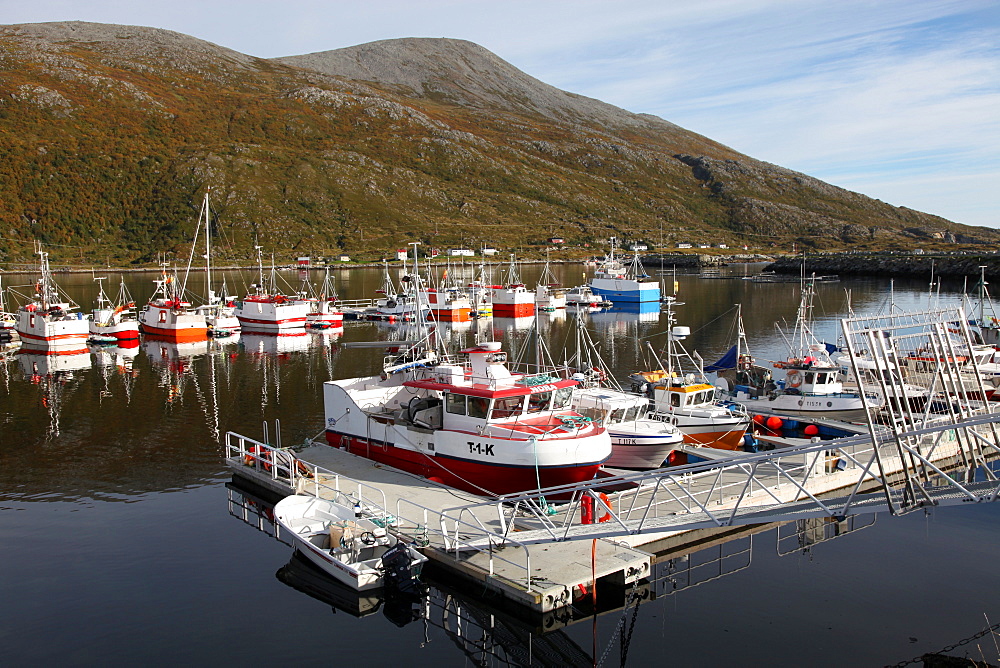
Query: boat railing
x: 460, y: 531
x: 286, y: 469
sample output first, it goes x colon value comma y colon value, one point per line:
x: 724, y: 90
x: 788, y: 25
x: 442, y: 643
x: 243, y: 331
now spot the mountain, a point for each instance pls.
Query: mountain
x: 112, y: 133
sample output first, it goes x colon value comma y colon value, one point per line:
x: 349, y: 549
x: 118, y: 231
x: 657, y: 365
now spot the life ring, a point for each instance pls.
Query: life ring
x: 607, y: 502
x: 794, y: 378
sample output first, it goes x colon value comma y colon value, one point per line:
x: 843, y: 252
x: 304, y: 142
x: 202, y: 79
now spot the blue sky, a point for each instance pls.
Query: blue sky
x: 899, y: 100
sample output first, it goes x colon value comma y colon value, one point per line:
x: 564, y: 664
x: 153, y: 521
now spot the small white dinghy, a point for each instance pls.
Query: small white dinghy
x: 354, y: 550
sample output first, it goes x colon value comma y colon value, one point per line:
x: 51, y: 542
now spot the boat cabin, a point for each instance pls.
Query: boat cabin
x: 610, y: 409
x: 470, y: 397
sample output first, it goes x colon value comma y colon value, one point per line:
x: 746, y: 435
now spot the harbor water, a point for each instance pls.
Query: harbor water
x: 123, y: 541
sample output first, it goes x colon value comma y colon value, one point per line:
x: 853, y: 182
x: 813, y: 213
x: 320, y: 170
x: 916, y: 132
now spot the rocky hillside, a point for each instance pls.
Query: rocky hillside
x: 112, y: 134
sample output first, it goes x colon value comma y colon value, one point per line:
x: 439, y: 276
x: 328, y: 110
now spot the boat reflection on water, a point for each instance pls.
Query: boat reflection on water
x: 627, y: 313
x: 503, y: 326
x: 294, y: 341
x: 301, y: 574
x: 57, y: 371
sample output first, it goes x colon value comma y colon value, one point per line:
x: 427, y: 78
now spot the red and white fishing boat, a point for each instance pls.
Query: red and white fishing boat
x: 168, y: 316
x: 512, y: 300
x: 115, y: 320
x: 267, y: 311
x: 474, y: 424
x: 323, y: 312
x: 549, y: 294
x: 47, y: 321
x: 447, y: 304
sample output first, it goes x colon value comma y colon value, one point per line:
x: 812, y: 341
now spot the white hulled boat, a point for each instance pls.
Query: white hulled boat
x: 353, y: 549
x: 219, y: 310
x: 116, y: 320
x: 813, y: 383
x: 323, y: 312
x: 549, y: 295
x: 473, y: 424
x: 267, y: 311
x: 582, y: 297
x: 47, y: 321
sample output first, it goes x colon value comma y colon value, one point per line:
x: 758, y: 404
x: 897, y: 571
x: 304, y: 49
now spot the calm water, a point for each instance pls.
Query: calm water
x: 119, y: 545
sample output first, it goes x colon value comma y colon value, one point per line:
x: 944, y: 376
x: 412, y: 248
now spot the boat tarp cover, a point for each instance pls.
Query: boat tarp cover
x: 728, y: 361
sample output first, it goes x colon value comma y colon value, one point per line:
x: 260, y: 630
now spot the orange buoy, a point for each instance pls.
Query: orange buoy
x: 774, y: 423
x: 758, y: 419
x: 810, y: 430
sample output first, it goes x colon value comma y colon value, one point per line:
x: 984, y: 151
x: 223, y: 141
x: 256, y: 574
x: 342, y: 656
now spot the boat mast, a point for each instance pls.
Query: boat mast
x: 208, y: 249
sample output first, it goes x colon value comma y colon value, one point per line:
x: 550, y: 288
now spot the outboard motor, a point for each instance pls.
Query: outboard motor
x: 398, y: 574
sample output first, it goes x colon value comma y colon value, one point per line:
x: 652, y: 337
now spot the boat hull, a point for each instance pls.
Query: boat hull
x: 123, y: 331
x: 44, y: 331
x: 627, y: 291
x: 474, y: 476
x: 724, y: 435
x: 640, y: 452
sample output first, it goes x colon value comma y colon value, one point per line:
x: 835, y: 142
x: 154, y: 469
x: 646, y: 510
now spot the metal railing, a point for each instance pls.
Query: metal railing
x: 440, y: 528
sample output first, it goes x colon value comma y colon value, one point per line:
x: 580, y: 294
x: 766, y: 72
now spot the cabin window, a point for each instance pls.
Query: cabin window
x: 455, y: 403
x: 479, y: 407
x: 539, y: 401
x: 506, y: 407
x: 562, y: 398
x: 704, y: 397
x: 618, y: 415
x: 810, y: 378
x: 632, y: 414
x: 163, y: 316
x: 675, y: 399
x: 595, y: 414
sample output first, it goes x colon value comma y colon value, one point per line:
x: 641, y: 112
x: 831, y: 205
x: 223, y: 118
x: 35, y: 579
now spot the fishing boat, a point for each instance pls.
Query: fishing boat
x: 681, y: 393
x: 265, y: 310
x: 813, y: 382
x: 393, y: 303
x: 353, y: 549
x: 116, y: 320
x: 323, y: 312
x: 219, y: 309
x: 512, y: 300
x: 620, y: 282
x: 446, y: 301
x: 48, y: 321
x: 473, y: 422
x: 549, y: 295
x: 169, y: 316
x: 962, y: 373
x: 582, y: 297
x: 640, y: 439
x: 883, y: 378
x: 7, y: 319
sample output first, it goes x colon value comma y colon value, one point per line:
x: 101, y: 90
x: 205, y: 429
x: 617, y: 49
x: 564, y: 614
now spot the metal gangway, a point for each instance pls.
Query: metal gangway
x: 912, y: 458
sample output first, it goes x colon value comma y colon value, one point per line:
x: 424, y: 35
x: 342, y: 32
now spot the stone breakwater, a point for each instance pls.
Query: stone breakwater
x: 878, y: 264
x: 695, y: 260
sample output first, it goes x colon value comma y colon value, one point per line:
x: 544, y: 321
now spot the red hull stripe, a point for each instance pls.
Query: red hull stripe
x: 467, y: 474
x: 286, y: 321
x: 58, y: 337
